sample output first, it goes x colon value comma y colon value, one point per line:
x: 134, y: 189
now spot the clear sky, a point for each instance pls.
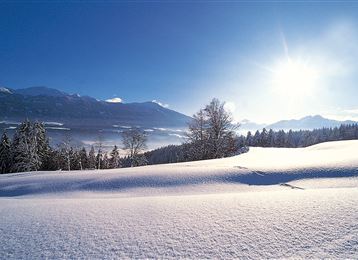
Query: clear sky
x: 268, y: 60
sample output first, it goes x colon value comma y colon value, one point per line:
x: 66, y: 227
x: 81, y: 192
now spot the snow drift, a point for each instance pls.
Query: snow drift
x: 260, y: 166
x: 190, y: 210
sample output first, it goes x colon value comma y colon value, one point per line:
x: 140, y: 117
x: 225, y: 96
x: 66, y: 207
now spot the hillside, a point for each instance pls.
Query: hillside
x: 46, y: 104
x: 267, y: 203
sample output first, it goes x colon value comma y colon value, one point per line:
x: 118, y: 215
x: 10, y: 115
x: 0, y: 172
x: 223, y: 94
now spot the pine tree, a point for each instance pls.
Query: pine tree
x: 256, y: 140
x: 67, y: 151
x: 290, y: 142
x: 248, y: 141
x: 114, y: 161
x: 5, y: 163
x: 24, y: 151
x: 83, y: 159
x: 92, y: 159
x: 271, y: 138
x: 105, y: 161
x: 99, y: 158
x: 264, y: 142
x: 42, y: 144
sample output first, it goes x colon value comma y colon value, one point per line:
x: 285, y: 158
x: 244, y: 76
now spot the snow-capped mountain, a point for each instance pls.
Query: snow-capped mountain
x: 308, y: 122
x: 305, y: 123
x: 49, y: 104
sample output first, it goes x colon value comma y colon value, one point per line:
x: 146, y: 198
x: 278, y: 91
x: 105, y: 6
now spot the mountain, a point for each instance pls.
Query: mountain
x: 40, y: 91
x: 47, y: 104
x: 308, y: 122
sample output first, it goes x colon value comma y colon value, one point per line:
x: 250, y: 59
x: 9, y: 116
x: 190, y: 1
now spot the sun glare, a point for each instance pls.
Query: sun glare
x: 294, y: 79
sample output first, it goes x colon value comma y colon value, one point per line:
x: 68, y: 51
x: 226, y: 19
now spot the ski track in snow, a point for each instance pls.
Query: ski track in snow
x: 294, y: 206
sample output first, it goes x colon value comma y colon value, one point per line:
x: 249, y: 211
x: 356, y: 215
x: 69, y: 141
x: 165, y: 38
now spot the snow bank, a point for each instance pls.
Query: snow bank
x: 259, y: 166
x: 190, y: 210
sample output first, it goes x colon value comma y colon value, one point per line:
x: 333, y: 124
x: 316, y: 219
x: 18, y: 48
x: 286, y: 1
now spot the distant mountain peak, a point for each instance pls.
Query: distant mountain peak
x: 307, y: 123
x: 40, y: 91
x: 48, y: 104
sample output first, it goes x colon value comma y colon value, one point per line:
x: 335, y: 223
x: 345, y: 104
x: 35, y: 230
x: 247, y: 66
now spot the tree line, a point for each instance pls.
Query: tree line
x: 300, y: 138
x: 263, y: 138
x: 211, y: 134
x: 29, y: 150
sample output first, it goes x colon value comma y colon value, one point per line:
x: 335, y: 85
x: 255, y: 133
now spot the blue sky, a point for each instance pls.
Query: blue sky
x: 254, y: 55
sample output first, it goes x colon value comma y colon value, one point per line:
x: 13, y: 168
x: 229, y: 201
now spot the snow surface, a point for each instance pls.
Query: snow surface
x: 267, y: 203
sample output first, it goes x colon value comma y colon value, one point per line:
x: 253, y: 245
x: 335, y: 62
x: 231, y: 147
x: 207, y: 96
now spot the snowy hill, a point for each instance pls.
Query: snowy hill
x: 267, y: 203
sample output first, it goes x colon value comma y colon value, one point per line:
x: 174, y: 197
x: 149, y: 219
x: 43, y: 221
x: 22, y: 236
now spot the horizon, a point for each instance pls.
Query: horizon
x: 254, y: 56
x: 246, y: 120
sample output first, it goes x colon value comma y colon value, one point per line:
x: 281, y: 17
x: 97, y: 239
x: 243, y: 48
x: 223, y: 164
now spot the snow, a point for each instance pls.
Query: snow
x: 57, y: 128
x: 114, y: 100
x: 53, y: 124
x: 300, y: 203
x: 5, y: 90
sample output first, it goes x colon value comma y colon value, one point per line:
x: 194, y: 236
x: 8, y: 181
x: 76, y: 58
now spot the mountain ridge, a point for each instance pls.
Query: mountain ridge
x: 43, y: 103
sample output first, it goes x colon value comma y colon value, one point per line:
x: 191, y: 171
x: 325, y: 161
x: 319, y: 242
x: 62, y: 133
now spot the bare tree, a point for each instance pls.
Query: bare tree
x: 212, y: 132
x: 198, y: 135
x: 134, y: 142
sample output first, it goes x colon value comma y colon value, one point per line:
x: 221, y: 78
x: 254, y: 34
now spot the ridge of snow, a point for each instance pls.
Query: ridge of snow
x: 260, y: 166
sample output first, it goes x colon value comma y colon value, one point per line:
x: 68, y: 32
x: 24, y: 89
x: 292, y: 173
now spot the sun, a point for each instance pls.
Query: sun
x: 294, y: 78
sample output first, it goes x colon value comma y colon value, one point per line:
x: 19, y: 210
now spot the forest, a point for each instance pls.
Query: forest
x: 211, y: 134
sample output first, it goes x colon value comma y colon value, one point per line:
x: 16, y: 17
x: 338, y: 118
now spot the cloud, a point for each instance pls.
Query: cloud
x: 160, y: 104
x: 114, y: 100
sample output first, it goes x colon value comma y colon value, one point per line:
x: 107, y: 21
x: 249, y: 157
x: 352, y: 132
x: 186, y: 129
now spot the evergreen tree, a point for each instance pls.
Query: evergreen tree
x: 290, y: 142
x: 24, y: 150
x: 264, y: 141
x: 67, y: 151
x: 256, y: 139
x: 99, y: 158
x: 42, y: 145
x: 105, y: 161
x: 92, y: 159
x: 83, y: 159
x: 248, y: 141
x: 5, y: 162
x: 271, y: 138
x: 114, y: 161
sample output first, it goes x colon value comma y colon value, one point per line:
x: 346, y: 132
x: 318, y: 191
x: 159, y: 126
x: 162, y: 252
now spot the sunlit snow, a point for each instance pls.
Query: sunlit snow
x: 267, y: 203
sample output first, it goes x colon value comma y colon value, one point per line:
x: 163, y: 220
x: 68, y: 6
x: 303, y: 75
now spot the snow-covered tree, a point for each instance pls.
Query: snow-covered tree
x: 83, y: 159
x: 105, y: 161
x: 67, y: 150
x: 5, y: 162
x: 134, y: 142
x: 115, y: 160
x: 99, y: 158
x: 212, y: 132
x: 220, y: 129
x: 92, y: 159
x: 24, y: 150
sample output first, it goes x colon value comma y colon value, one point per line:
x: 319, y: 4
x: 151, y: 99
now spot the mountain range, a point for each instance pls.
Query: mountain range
x: 304, y: 123
x: 75, y: 111
x: 47, y: 104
